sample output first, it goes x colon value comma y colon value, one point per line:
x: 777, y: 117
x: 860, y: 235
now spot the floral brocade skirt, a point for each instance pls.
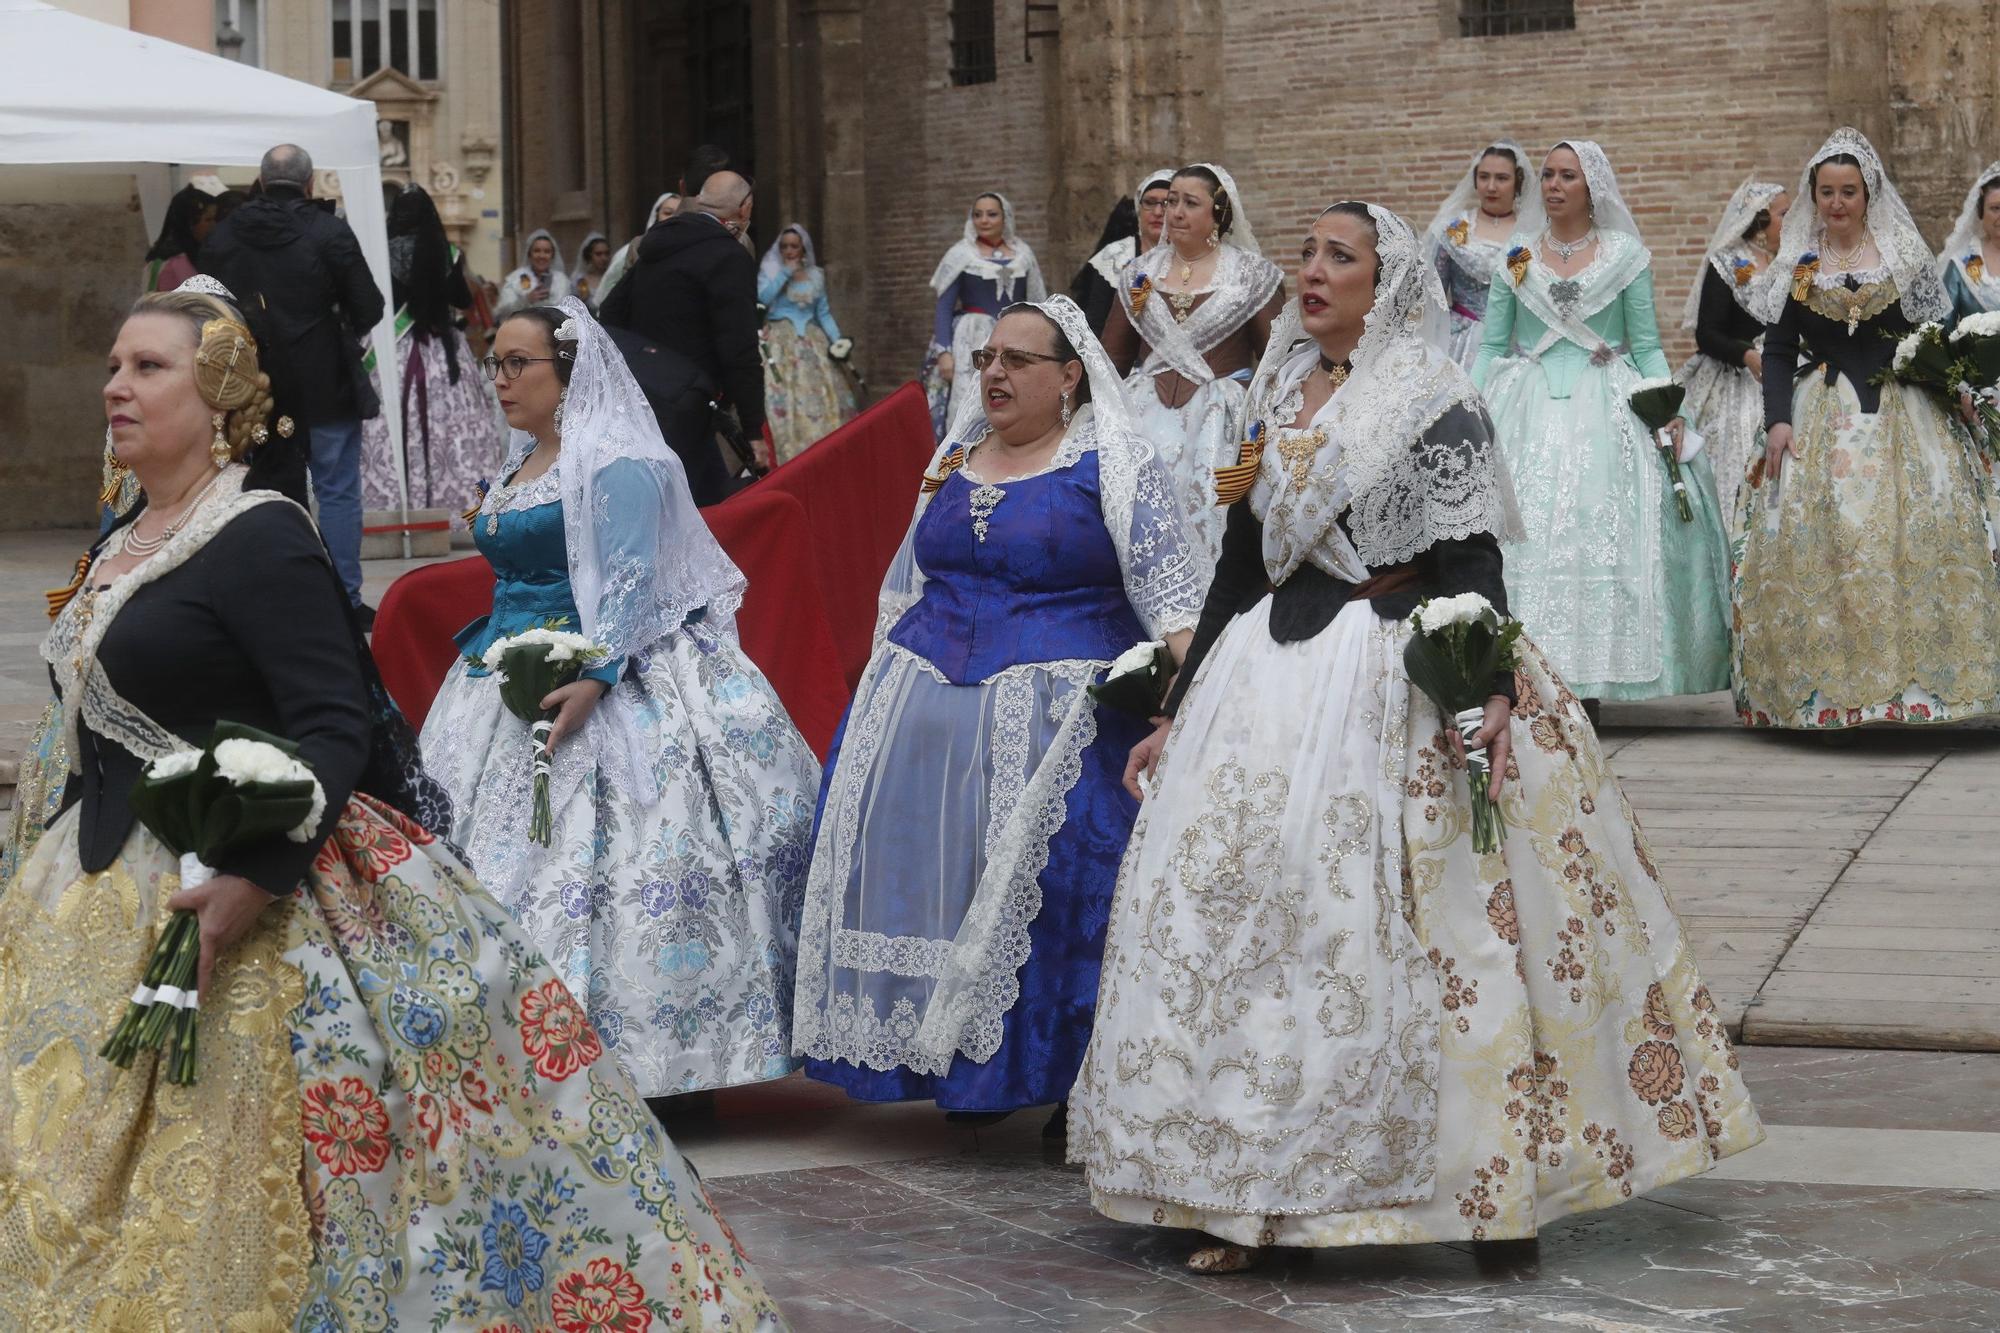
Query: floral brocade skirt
x: 454, y: 436
x: 38, y: 791
x: 806, y: 396
x: 1325, y: 1020
x: 401, y: 1119
x: 1865, y: 585
x: 673, y: 914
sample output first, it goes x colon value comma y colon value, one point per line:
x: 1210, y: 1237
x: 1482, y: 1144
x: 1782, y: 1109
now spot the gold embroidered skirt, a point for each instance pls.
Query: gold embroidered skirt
x: 400, y: 1117
x: 1865, y: 587
x: 1299, y: 878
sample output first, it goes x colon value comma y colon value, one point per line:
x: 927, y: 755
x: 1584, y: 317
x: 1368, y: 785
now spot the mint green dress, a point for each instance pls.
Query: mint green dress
x: 1627, y: 600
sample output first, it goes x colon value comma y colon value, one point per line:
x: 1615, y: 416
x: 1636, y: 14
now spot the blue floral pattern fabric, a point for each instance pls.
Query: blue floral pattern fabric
x: 672, y: 914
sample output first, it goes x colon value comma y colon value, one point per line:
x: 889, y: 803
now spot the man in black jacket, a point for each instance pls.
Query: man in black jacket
x: 297, y: 273
x: 694, y: 292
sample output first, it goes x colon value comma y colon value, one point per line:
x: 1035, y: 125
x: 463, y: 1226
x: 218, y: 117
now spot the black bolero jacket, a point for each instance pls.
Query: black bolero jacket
x: 1807, y: 333
x: 1723, y: 329
x: 1308, y: 601
x: 251, y: 628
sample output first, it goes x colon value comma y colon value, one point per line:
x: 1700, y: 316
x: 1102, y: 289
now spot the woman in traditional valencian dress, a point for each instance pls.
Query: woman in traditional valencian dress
x: 1628, y: 600
x: 1865, y: 591
x: 452, y: 428
x: 1971, y: 259
x: 806, y: 395
x: 1324, y: 1018
x: 1472, y: 233
x: 400, y: 1118
x: 667, y: 896
x: 972, y: 819
x: 985, y: 271
x: 540, y: 281
x: 1096, y: 285
x: 1724, y: 378
x: 1192, y: 318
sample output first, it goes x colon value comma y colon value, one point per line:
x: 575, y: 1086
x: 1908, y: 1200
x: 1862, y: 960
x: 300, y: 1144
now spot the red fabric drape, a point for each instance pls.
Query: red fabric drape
x: 859, y: 488
x: 813, y: 538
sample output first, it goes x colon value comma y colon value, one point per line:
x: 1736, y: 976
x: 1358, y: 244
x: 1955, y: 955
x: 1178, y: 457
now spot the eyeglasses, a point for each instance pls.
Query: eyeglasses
x: 514, y: 365
x: 1153, y: 205
x: 1013, y: 358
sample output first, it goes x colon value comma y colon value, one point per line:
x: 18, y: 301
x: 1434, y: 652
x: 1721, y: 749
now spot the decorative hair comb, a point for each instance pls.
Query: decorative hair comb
x: 207, y: 286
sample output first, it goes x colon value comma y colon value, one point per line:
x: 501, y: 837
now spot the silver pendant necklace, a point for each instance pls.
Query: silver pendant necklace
x: 1569, y: 249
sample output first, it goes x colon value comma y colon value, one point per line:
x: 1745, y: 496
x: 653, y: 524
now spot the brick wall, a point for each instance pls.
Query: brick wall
x: 931, y: 148
x: 1323, y: 99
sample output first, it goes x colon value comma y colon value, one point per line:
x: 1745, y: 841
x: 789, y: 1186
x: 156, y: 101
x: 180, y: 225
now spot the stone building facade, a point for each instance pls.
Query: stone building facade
x: 851, y: 115
x: 71, y: 242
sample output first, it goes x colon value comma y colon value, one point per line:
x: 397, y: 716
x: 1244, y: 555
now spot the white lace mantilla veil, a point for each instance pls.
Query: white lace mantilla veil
x: 1909, y: 261
x: 1110, y: 261
x: 641, y: 558
x: 1751, y: 198
x: 1239, y: 232
x: 1965, y: 230
x: 773, y: 262
x: 1401, y: 493
x: 1608, y: 209
x: 1127, y: 474
x: 964, y: 255
x: 1464, y: 198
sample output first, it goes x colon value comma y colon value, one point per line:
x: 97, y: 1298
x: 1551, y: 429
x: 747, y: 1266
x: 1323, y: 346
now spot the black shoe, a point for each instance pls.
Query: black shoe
x: 1499, y: 1258
x: 1591, y: 709
x: 1057, y: 1129
x: 365, y: 616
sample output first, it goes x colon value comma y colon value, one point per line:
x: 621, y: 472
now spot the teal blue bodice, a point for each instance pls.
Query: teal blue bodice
x: 530, y: 560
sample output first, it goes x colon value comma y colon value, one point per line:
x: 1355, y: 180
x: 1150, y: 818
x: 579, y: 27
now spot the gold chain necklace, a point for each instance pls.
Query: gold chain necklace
x: 1845, y: 262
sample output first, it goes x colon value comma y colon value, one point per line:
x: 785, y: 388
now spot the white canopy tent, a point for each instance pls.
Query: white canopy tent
x: 74, y: 91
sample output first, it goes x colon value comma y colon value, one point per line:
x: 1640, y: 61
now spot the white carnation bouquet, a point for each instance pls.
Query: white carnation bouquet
x: 1136, y: 682
x: 1946, y: 366
x: 1976, y: 339
x: 245, y: 786
x: 1460, y: 644
x: 533, y: 665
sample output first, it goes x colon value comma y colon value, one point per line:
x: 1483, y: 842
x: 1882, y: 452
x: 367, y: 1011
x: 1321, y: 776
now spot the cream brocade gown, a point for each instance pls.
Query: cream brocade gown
x: 1302, y: 1043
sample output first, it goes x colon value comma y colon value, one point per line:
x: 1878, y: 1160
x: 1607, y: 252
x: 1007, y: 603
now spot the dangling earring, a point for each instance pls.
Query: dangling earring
x: 1214, y: 237
x: 218, y: 448
x: 114, y: 474
x: 1065, y: 407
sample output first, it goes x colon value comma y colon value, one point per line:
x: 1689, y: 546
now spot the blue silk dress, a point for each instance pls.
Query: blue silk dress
x: 973, y: 817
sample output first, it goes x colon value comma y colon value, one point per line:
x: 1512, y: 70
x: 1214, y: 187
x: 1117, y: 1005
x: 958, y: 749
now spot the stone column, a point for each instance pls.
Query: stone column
x: 1140, y: 87
x: 1918, y: 76
x: 837, y: 68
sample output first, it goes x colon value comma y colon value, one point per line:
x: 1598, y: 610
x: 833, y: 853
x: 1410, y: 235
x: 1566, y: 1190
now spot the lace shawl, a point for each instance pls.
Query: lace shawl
x: 1909, y: 261
x: 1726, y: 246
x: 1379, y: 461
x: 1608, y: 209
x: 965, y: 256
x: 1963, y: 245
x: 1242, y: 286
x: 70, y: 647
x: 1480, y: 258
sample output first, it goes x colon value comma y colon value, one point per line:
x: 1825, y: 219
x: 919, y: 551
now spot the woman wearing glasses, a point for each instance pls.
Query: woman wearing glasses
x: 667, y: 895
x: 973, y: 818
x: 1134, y: 227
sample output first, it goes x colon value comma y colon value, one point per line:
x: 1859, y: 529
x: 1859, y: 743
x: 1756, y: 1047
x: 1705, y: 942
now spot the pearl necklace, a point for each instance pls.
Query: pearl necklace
x: 1844, y: 262
x: 143, y: 548
x: 1569, y: 249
